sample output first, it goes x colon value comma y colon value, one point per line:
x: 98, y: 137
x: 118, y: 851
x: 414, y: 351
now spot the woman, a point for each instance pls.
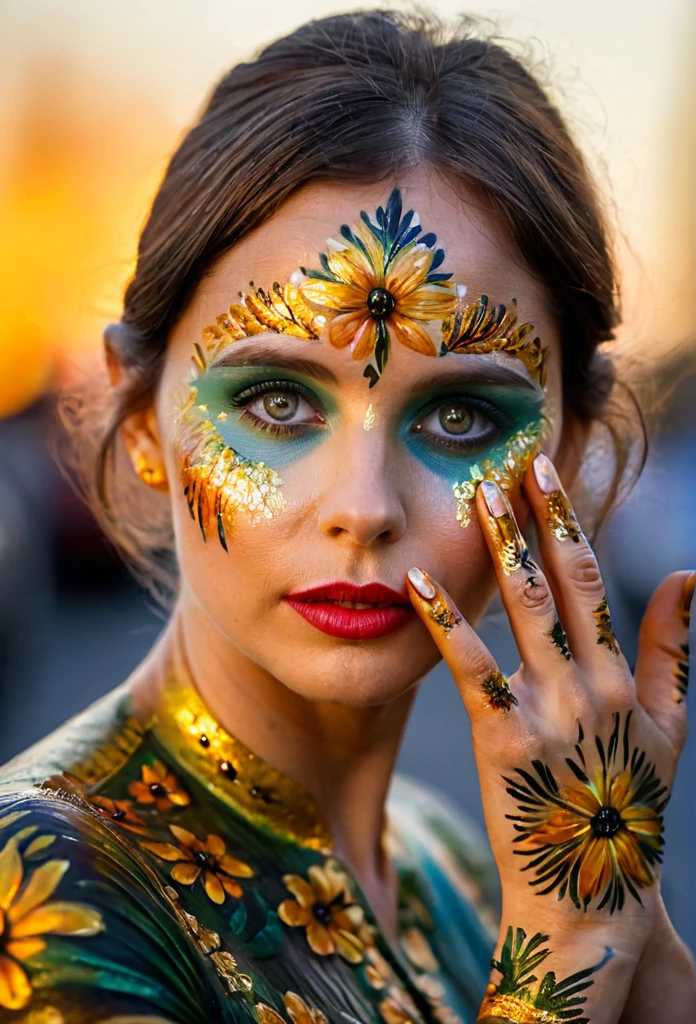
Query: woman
x: 213, y: 841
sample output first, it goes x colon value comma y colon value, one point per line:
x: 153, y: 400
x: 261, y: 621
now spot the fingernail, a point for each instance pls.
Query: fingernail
x: 546, y: 475
x: 421, y: 583
x: 495, y: 499
x: 509, y: 542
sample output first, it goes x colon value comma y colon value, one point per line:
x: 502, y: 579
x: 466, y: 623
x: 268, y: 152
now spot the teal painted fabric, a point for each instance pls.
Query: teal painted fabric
x: 152, y: 869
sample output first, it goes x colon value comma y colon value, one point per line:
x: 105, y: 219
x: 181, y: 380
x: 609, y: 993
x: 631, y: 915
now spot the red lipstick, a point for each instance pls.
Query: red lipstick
x: 352, y: 612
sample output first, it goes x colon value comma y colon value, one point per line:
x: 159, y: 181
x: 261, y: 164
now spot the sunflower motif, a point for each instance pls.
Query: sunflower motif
x: 206, y: 859
x: 298, y: 1012
x: 159, y: 786
x: 596, y: 840
x: 120, y: 811
x: 381, y: 280
x: 324, y: 906
x: 26, y: 917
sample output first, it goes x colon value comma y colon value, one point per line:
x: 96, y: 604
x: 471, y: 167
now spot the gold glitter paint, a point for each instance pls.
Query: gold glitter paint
x: 233, y: 773
x: 509, y: 543
x: 444, y: 616
x: 370, y: 418
x: 497, y: 693
x: 218, y: 483
x: 605, y: 628
x: 497, y: 1009
x: 280, y: 310
x: 479, y: 328
x: 505, y: 472
x: 560, y: 517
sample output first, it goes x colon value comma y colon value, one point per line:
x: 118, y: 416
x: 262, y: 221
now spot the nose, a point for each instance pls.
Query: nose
x: 361, y: 503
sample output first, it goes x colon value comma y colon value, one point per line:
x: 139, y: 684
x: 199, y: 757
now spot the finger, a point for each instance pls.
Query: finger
x: 572, y: 568
x: 662, y: 668
x: 526, y: 594
x: 481, y: 684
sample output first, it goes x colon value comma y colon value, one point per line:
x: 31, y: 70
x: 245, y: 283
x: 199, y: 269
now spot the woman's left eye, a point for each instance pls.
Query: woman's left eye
x: 457, y: 423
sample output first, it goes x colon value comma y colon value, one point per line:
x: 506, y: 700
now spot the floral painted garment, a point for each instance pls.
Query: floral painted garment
x: 158, y: 871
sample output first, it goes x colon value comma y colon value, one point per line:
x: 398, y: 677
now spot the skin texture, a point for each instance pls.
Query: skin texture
x: 367, y: 505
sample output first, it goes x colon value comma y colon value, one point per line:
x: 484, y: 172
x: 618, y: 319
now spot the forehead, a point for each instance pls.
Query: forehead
x: 478, y: 254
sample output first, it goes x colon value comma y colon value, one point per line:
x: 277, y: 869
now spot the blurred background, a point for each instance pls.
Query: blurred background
x: 93, y: 99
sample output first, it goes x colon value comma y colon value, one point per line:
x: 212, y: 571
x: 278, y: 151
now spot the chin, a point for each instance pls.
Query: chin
x: 358, y: 673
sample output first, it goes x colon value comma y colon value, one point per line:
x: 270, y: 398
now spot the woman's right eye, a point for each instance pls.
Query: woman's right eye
x: 281, y: 407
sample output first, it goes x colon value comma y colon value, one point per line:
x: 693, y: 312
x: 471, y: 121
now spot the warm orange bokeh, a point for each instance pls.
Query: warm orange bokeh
x: 78, y: 178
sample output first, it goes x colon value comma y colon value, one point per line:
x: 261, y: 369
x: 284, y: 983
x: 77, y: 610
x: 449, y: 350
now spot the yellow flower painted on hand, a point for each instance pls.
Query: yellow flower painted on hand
x: 26, y: 918
x: 378, y: 281
x: 159, y: 786
x: 207, y: 860
x: 323, y: 905
x: 596, y: 840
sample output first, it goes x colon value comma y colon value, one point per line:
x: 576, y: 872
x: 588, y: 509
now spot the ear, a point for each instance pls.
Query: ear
x: 139, y: 430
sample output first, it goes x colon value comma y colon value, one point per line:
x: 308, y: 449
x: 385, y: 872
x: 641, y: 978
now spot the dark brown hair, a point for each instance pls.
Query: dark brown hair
x: 358, y: 98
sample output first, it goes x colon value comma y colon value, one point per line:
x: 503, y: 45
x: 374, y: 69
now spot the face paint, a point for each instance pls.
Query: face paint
x: 605, y: 627
x: 218, y: 482
x: 380, y: 282
x: 523, y: 996
x: 497, y: 693
x: 600, y: 838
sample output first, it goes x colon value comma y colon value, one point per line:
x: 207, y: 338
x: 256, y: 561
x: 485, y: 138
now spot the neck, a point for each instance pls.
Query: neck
x: 343, y: 756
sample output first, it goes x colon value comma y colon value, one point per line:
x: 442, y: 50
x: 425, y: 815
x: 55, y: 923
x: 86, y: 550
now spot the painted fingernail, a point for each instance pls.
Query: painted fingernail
x: 495, y: 499
x: 509, y: 542
x: 560, y: 517
x: 440, y: 609
x: 546, y: 475
x: 421, y: 583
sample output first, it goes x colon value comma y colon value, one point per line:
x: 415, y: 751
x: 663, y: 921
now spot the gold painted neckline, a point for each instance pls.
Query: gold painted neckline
x: 234, y: 774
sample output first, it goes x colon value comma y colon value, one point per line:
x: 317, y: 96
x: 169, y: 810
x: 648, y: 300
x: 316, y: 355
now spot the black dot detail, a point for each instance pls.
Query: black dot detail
x: 606, y: 822
x: 380, y: 303
x: 322, y: 912
x: 157, y: 789
x: 203, y: 740
x: 118, y: 815
x: 228, y: 769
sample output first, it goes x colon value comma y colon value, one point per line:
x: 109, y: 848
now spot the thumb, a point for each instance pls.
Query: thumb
x: 471, y: 663
x: 662, y: 669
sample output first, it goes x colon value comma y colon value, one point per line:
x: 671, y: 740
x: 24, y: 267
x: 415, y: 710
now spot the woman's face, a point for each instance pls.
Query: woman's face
x: 290, y: 474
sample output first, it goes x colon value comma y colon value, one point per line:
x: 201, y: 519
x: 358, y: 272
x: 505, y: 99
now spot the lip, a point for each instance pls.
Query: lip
x: 319, y: 606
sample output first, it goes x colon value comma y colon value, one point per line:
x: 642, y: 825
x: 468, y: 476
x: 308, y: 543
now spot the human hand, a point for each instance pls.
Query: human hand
x: 576, y: 758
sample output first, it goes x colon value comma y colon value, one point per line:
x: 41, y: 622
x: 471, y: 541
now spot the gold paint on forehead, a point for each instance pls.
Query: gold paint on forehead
x: 370, y: 418
x: 381, y: 282
x: 264, y: 795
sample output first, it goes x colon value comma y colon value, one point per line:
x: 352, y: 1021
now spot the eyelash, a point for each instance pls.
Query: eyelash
x: 494, y: 413
x: 244, y: 398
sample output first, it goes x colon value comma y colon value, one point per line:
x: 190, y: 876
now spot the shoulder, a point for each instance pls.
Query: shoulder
x: 99, y: 738
x: 87, y: 927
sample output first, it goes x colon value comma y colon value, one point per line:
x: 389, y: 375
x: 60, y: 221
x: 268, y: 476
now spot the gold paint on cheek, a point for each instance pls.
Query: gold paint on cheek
x: 370, y: 418
x: 219, y: 484
x: 521, y: 449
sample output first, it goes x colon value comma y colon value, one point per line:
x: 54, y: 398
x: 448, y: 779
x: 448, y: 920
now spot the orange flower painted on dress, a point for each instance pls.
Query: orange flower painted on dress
x: 378, y: 281
x: 207, y: 860
x: 27, y: 916
x: 323, y: 905
x: 120, y: 811
x: 159, y: 786
x: 298, y: 1011
x: 596, y: 840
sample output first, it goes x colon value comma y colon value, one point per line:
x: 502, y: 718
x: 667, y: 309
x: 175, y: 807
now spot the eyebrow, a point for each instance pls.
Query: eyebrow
x: 308, y: 367
x: 480, y: 372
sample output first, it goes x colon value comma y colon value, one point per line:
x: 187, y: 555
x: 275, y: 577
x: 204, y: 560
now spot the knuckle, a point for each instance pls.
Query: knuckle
x: 584, y: 574
x: 536, y: 596
x: 478, y: 665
